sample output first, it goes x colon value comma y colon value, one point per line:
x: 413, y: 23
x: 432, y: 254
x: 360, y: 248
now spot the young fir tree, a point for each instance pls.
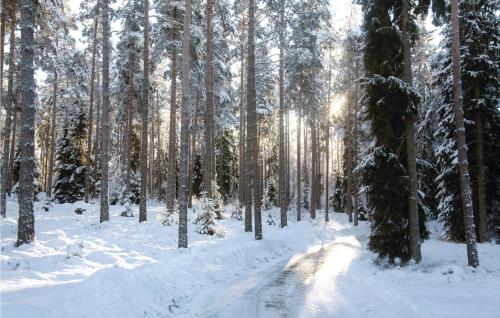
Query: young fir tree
x: 480, y: 34
x: 388, y: 99
x: 69, y: 185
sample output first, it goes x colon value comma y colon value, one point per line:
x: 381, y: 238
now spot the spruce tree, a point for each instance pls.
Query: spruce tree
x: 69, y: 185
x: 388, y: 100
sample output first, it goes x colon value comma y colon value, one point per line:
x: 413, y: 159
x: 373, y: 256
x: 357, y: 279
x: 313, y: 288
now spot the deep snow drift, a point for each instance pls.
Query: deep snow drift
x: 80, y: 268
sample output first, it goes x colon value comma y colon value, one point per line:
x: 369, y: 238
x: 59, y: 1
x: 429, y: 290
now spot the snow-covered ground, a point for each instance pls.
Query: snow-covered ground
x: 80, y: 268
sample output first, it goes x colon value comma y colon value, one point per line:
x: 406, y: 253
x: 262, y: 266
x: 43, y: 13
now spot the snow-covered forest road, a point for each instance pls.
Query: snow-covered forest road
x: 293, y: 289
x: 80, y: 268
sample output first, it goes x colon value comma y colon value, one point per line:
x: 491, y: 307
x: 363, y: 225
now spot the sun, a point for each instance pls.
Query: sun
x: 336, y: 105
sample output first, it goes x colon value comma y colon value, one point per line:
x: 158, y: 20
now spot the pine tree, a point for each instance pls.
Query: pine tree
x: 104, y: 208
x: 26, y: 223
x: 480, y: 67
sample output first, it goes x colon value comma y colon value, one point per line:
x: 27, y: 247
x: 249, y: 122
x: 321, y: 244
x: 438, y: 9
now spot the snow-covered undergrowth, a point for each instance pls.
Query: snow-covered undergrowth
x: 80, y: 268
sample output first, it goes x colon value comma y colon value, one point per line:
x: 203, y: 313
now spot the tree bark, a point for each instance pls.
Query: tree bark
x: 314, y: 181
x: 91, y: 107
x: 8, y: 107
x: 299, y: 180
x: 282, y: 173
x: 463, y: 164
x: 104, y: 213
x: 128, y: 128
x: 327, y: 137
x: 241, y: 165
x: 355, y: 147
x: 26, y: 224
x: 209, y: 108
x: 183, y: 180
x: 12, y: 151
x: 52, y: 136
x: 193, y: 147
x: 145, y: 114
x: 97, y: 130
x: 253, y: 148
x: 348, y: 194
x: 481, y: 189
x: 158, y: 145
x: 172, y: 142
x: 3, y: 18
x: 411, y: 155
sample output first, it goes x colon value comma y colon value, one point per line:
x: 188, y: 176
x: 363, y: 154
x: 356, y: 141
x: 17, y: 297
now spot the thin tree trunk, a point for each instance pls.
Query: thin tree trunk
x: 355, y: 148
x: 104, y: 213
x: 327, y: 137
x: 299, y: 180
x: 97, y: 131
x: 3, y: 18
x: 463, y: 164
x: 151, y: 148
x: 145, y: 118
x: 172, y: 160
x: 253, y: 150
x: 52, y: 135
x: 241, y: 163
x: 348, y: 194
x: 26, y: 224
x: 193, y: 147
x: 209, y: 108
x: 158, y: 145
x: 481, y: 190
x: 282, y: 175
x: 128, y: 129
x: 12, y: 151
x: 313, y: 205
x: 8, y: 107
x: 183, y: 180
x: 91, y: 107
x: 411, y: 155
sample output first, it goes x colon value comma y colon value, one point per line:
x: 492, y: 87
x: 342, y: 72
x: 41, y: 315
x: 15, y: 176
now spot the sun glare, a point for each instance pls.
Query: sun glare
x: 336, y: 105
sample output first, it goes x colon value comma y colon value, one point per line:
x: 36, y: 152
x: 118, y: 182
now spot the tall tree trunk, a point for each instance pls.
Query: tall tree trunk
x: 52, y: 135
x: 314, y: 181
x: 158, y: 145
x: 183, y: 180
x: 3, y: 18
x: 129, y: 129
x: 193, y: 146
x: 172, y: 142
x: 151, y: 148
x: 253, y: 147
x: 299, y: 180
x: 282, y: 168
x: 91, y: 108
x: 8, y: 107
x: 209, y: 108
x: 241, y: 163
x: 481, y: 189
x: 411, y: 155
x: 355, y: 147
x: 26, y: 224
x: 97, y: 130
x: 348, y: 194
x: 145, y: 118
x: 12, y: 151
x: 104, y: 214
x: 327, y: 137
x: 463, y: 164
